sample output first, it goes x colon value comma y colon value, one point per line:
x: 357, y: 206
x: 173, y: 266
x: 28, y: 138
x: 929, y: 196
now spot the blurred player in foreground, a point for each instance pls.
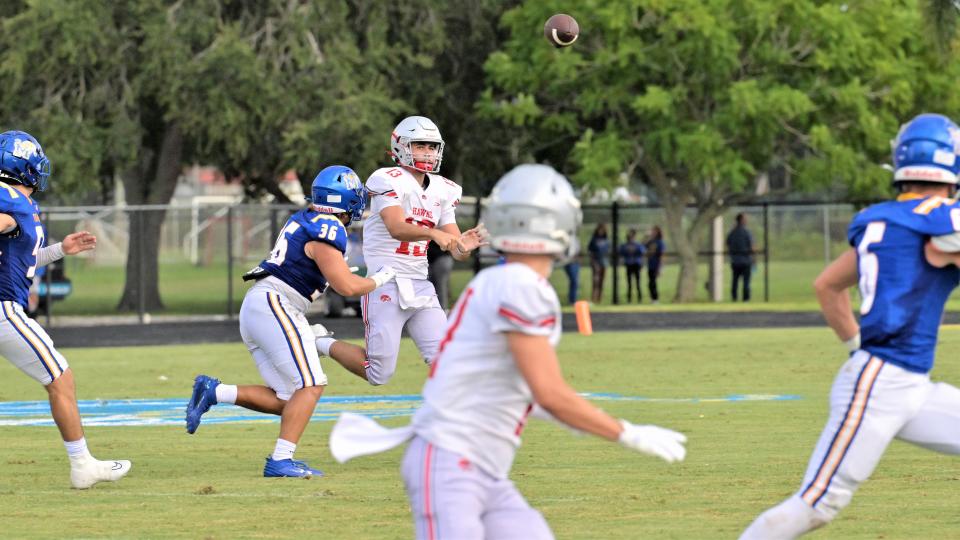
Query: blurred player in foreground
x: 25, y: 169
x: 411, y: 205
x: 496, y: 367
x: 308, y: 255
x: 904, y: 255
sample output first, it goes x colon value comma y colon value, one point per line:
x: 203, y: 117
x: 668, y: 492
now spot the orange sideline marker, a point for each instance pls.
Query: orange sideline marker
x: 584, y: 325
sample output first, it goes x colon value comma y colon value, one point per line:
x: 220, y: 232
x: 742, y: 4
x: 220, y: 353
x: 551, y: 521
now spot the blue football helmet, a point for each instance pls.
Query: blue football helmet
x: 337, y: 189
x: 927, y: 149
x: 22, y: 160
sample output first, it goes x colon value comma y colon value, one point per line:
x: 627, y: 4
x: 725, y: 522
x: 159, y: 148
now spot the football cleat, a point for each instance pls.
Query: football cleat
x: 204, y: 396
x: 288, y: 468
x: 84, y: 475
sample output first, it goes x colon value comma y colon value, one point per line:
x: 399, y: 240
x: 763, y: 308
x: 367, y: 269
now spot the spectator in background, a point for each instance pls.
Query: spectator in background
x: 599, y: 248
x: 655, y: 248
x: 572, y: 268
x: 632, y: 253
x: 740, y: 247
x: 440, y: 265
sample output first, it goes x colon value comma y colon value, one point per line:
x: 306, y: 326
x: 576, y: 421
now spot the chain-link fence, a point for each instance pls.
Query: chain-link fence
x: 201, y: 251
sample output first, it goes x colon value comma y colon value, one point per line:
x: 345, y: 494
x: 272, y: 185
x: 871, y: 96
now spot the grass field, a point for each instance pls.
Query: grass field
x: 743, y: 456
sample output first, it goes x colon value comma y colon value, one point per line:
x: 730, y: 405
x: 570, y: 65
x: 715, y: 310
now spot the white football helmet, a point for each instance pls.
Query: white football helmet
x: 532, y: 209
x: 415, y: 129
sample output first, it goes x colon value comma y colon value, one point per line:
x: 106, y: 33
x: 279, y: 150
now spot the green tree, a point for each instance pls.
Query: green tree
x: 941, y: 17
x: 138, y: 89
x: 707, y: 100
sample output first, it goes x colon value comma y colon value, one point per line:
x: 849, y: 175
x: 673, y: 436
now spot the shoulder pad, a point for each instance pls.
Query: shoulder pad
x: 328, y: 229
x: 381, y: 182
x: 12, y: 200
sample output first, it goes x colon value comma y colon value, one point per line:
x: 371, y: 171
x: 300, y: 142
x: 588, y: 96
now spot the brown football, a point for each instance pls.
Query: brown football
x: 561, y: 30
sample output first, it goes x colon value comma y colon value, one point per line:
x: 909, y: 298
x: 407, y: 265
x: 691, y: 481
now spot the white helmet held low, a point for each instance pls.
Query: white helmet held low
x: 533, y: 210
x: 415, y: 129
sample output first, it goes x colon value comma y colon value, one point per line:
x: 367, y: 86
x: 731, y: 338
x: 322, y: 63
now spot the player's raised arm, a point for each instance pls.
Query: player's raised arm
x: 832, y: 287
x: 538, y: 364
x: 467, y: 241
x: 332, y: 265
x: 396, y: 223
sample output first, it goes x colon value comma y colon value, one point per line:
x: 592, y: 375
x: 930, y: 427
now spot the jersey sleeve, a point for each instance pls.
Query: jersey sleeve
x: 948, y: 242
x: 526, y: 308
x: 12, y: 201
x: 942, y: 220
x: 329, y: 230
x: 384, y: 192
x: 448, y: 214
x: 16, y: 205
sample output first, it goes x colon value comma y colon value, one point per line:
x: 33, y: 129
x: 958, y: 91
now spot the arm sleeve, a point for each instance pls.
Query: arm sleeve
x: 448, y: 215
x: 948, y: 243
x: 383, y: 192
x: 48, y: 254
x: 527, y: 308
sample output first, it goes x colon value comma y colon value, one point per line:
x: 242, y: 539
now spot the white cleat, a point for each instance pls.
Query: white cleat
x: 92, y: 471
x: 320, y: 331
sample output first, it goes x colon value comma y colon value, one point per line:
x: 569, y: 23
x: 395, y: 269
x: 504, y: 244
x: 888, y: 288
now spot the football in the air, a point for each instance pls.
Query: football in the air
x: 561, y: 30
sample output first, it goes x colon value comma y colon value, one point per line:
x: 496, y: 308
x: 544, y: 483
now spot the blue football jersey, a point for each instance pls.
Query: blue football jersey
x: 902, y: 296
x: 289, y: 263
x: 18, y: 250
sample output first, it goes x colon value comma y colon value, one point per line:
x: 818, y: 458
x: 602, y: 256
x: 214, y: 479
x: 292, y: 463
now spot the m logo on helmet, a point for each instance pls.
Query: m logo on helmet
x: 24, y: 149
x: 351, y: 180
x: 955, y: 137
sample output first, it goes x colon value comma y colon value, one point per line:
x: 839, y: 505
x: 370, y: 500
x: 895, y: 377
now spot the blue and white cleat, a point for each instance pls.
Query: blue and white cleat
x: 289, y: 468
x: 204, y: 396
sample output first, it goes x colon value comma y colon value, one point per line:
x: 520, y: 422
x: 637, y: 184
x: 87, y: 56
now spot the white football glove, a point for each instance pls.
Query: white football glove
x: 654, y: 440
x: 383, y: 275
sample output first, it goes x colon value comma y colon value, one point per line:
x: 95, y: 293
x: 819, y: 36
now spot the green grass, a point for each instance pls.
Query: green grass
x: 743, y: 457
x: 189, y: 289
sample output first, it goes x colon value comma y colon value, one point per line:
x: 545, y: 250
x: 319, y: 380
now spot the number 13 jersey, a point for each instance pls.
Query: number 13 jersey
x: 431, y: 205
x: 902, y: 295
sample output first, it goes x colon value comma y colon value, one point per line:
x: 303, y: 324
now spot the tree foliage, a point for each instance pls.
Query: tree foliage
x: 137, y: 89
x: 705, y: 100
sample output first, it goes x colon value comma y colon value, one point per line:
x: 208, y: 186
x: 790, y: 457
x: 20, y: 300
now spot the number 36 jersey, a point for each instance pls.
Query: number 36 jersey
x: 902, y: 295
x: 289, y: 263
x: 18, y: 250
x: 431, y: 205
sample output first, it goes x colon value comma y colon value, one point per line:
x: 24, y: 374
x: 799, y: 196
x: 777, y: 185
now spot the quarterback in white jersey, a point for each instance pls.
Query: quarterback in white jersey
x: 410, y: 206
x: 497, y: 367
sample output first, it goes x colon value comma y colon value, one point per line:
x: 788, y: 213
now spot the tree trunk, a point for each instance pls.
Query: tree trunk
x: 686, y: 247
x: 153, y: 182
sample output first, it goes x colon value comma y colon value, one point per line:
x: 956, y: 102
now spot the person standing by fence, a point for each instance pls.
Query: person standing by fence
x: 631, y: 252
x: 572, y: 268
x: 599, y: 249
x: 740, y: 247
x: 655, y: 247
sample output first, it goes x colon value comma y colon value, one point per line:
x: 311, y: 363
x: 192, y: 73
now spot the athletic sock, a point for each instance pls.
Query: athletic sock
x: 77, y: 450
x: 324, y: 344
x: 226, y: 393
x: 283, y: 450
